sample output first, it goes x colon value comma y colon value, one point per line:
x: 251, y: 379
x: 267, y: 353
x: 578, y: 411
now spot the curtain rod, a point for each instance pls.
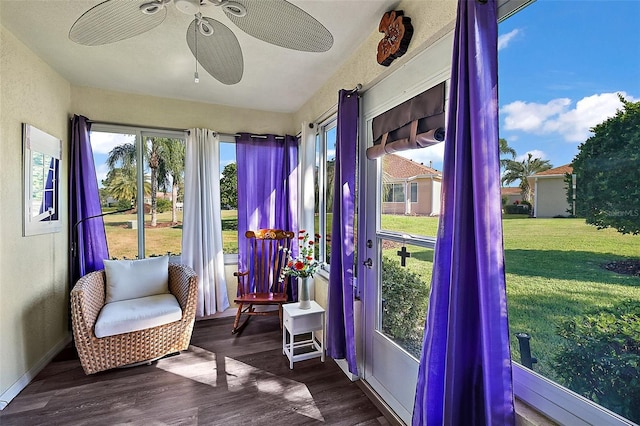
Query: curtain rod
x: 171, y: 129
x: 110, y: 123
x: 355, y: 89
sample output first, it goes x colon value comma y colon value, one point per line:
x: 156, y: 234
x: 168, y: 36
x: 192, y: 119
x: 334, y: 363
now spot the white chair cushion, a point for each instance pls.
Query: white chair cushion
x: 131, y: 279
x: 130, y: 315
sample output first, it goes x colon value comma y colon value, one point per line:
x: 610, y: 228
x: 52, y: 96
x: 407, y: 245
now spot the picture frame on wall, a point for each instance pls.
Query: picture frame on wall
x: 42, y: 154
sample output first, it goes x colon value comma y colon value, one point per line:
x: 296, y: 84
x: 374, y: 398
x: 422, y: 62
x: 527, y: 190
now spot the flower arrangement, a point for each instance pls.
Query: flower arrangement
x: 304, y: 264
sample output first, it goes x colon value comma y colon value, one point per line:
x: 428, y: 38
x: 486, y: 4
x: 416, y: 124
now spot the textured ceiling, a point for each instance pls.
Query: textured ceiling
x: 159, y: 62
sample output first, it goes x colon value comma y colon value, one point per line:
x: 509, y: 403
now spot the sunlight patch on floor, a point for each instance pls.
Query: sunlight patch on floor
x: 201, y: 366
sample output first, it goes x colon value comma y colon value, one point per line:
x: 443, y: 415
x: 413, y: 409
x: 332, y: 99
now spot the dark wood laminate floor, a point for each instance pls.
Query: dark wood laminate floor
x: 221, y: 380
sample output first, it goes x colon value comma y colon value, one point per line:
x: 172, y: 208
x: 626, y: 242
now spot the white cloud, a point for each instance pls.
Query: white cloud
x: 103, y: 143
x: 560, y: 117
x: 530, y: 116
x: 505, y: 39
x: 433, y: 154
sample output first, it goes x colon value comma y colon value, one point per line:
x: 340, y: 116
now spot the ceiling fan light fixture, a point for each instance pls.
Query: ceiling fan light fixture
x: 205, y: 28
x: 189, y: 7
x: 153, y: 7
x: 234, y: 8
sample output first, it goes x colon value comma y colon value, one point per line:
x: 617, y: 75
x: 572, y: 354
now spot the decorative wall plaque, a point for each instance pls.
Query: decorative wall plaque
x: 397, y: 31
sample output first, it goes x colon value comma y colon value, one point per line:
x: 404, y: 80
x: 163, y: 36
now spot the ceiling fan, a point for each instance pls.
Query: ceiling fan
x: 213, y: 44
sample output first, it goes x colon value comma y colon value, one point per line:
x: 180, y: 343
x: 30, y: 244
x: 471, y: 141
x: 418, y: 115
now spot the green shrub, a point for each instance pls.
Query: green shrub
x: 600, y: 358
x: 405, y: 296
x: 516, y: 209
x: 163, y: 205
x: 123, y: 204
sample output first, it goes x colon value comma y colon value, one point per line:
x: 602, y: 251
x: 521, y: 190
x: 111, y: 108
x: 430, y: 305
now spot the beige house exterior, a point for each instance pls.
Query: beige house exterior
x: 550, y: 192
x: 513, y: 194
x: 410, y: 188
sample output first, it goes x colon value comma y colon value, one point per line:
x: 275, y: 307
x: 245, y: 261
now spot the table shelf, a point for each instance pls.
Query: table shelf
x: 298, y: 321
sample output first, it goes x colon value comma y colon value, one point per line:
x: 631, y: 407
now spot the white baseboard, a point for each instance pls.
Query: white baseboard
x: 8, y: 395
x: 342, y: 363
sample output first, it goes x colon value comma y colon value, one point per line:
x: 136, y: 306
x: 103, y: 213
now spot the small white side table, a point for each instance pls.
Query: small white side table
x: 299, y: 321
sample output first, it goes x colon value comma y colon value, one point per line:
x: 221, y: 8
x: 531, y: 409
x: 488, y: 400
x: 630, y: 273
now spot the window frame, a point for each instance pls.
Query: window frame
x: 322, y: 129
x: 544, y: 396
x: 412, y: 186
x: 141, y: 134
x: 229, y: 258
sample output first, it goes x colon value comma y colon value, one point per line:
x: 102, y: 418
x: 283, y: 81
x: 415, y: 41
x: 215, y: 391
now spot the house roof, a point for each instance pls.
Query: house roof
x: 397, y: 167
x: 510, y: 190
x: 556, y: 171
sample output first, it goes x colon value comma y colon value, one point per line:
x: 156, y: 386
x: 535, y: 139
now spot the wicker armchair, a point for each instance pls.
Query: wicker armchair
x: 98, y: 354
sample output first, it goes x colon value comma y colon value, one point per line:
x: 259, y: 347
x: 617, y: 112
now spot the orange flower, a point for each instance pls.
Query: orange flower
x: 299, y: 265
x: 309, y: 257
x: 290, y: 264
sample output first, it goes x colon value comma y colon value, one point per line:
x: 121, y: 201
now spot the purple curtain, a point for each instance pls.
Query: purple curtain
x: 267, y: 188
x: 84, y: 201
x: 340, y: 325
x: 465, y: 370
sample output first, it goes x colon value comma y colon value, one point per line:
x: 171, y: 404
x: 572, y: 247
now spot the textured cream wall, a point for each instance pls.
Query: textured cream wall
x: 33, y: 270
x: 124, y: 108
x: 431, y: 20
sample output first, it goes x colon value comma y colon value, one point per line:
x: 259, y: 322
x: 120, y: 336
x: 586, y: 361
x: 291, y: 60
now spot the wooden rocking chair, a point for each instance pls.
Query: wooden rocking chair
x: 259, y: 285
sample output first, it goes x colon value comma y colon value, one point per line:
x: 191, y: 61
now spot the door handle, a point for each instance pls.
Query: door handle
x: 368, y: 263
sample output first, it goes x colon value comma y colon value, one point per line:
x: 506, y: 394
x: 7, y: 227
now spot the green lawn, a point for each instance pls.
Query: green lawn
x: 553, y: 270
x: 553, y: 267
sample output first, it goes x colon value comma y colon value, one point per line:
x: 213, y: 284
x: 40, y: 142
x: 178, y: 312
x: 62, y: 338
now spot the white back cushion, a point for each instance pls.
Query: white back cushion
x: 130, y: 279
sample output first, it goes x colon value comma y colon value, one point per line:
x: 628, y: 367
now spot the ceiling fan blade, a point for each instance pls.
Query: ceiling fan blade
x: 219, y: 53
x: 283, y: 24
x: 114, y: 20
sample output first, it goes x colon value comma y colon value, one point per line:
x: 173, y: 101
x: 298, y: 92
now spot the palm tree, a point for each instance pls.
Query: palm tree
x: 521, y: 170
x: 121, y: 185
x: 165, y: 158
x: 121, y: 180
x: 506, y: 149
x: 170, y: 170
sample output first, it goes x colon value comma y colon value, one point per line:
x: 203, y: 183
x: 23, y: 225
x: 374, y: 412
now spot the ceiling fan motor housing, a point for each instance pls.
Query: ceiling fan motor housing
x: 189, y: 7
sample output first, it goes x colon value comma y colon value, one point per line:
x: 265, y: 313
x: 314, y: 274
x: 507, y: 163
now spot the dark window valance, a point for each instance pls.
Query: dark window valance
x: 416, y: 123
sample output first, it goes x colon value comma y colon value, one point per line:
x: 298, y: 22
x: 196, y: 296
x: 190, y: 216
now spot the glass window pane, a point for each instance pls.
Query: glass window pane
x: 330, y: 139
x: 398, y: 193
x: 405, y: 293
x: 414, y: 192
x: 115, y: 162
x: 229, y: 197
x: 164, y: 178
x: 571, y: 287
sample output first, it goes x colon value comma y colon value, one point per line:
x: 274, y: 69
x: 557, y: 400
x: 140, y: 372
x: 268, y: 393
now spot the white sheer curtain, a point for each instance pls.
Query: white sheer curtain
x: 202, y: 226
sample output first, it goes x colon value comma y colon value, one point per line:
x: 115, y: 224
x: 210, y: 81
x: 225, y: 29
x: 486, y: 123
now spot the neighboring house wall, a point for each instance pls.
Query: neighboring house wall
x: 550, y: 197
x: 424, y: 206
x: 512, y: 194
x: 33, y: 270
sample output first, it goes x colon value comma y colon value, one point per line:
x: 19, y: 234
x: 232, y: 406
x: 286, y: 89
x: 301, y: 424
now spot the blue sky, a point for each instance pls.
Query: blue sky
x: 561, y: 63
